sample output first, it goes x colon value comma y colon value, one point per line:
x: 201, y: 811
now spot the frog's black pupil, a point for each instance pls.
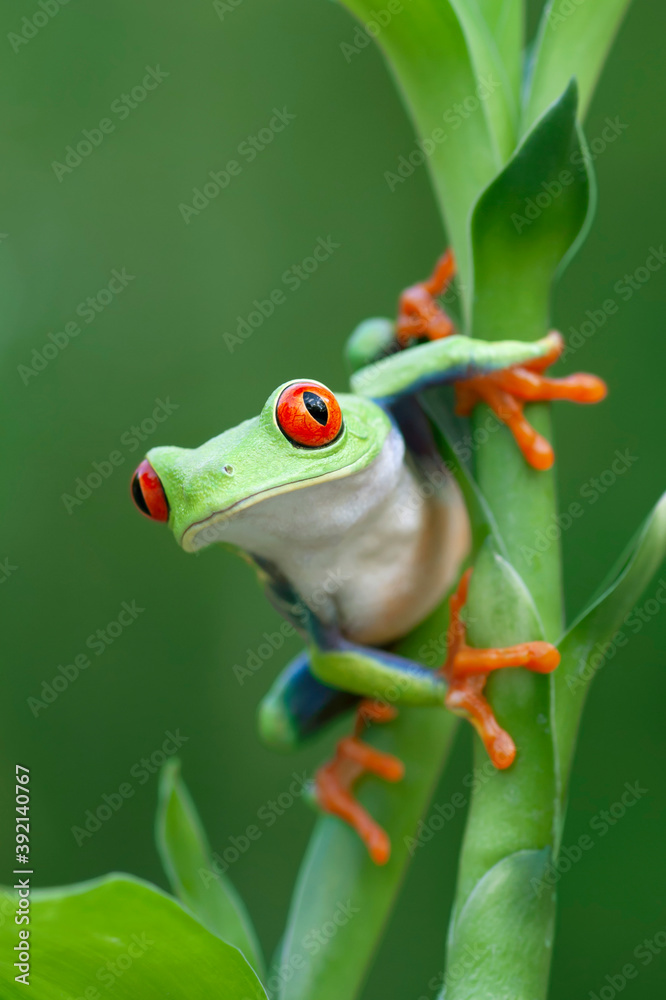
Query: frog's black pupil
x: 316, y: 407
x: 137, y: 494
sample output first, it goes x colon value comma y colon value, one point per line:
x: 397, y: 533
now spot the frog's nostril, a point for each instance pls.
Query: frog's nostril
x: 148, y: 493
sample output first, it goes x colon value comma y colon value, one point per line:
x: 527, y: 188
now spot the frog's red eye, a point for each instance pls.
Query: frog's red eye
x: 148, y: 493
x: 308, y: 414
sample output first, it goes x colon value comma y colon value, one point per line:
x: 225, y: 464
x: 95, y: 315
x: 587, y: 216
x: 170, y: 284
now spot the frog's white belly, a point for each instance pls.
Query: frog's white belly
x: 374, y: 552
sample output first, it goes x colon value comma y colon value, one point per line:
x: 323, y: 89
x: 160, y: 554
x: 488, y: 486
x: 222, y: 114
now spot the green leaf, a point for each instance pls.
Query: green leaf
x: 488, y: 65
x: 499, y: 602
x: 600, y: 629
x: 508, y: 917
x: 525, y: 223
x: 517, y: 253
x: 506, y: 21
x: 427, y: 49
x: 573, y: 41
x: 186, y: 858
x: 124, y: 936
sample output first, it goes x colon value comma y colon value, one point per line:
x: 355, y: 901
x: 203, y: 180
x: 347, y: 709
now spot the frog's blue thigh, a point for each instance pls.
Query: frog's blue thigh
x: 299, y: 705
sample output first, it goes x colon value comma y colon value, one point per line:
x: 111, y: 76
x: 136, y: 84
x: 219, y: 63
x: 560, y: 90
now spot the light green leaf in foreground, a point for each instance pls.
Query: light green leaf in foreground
x: 186, y: 857
x: 121, y: 937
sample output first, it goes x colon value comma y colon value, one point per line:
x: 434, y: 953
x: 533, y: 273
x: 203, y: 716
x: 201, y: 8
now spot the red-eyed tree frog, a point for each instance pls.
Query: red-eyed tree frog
x: 323, y: 495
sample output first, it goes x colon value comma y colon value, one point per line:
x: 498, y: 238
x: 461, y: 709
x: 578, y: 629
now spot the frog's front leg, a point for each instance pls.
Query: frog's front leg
x: 506, y: 392
x: 384, y: 679
x: 505, y: 384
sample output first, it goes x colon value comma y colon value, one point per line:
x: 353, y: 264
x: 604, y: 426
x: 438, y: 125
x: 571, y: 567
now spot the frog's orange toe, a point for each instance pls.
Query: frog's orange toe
x: 465, y: 698
x: 419, y: 315
x: 581, y: 388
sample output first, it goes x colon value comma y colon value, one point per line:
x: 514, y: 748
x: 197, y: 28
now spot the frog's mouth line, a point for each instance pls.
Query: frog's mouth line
x: 211, y: 529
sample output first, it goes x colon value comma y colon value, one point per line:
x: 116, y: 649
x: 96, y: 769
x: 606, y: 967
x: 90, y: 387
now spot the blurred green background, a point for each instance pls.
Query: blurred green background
x: 163, y: 337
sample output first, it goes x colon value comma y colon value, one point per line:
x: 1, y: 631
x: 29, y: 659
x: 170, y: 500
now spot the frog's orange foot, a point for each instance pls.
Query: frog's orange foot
x: 507, y: 391
x: 466, y: 669
x: 419, y: 315
x: 353, y: 758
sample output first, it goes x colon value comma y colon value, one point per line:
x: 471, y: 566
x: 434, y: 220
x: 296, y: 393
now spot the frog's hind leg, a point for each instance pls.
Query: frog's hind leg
x: 299, y: 705
x: 353, y: 758
x: 381, y: 678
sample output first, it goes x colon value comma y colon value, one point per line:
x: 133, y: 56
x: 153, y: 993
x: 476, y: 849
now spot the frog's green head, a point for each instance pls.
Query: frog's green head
x: 304, y: 435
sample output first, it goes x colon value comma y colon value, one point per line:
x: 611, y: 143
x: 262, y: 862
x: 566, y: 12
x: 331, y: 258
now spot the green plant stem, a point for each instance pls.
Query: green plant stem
x: 514, y: 820
x: 517, y: 809
x: 523, y: 501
